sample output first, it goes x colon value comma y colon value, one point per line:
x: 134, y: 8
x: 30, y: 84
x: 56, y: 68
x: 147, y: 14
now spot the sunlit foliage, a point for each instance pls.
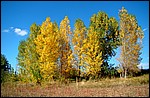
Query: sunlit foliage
x: 131, y: 40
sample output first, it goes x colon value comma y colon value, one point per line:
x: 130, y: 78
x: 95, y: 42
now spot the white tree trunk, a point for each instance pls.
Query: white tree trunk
x: 77, y: 83
x: 120, y: 75
x: 125, y: 73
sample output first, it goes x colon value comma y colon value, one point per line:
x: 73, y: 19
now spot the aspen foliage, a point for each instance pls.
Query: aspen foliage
x: 52, y: 52
x: 79, y: 35
x: 105, y: 30
x: 47, y: 47
x: 65, y: 47
x: 92, y: 56
x: 28, y: 57
x: 22, y: 62
x: 33, y: 55
x: 131, y: 37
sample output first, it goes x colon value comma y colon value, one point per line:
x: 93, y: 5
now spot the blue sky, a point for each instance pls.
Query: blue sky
x: 17, y: 17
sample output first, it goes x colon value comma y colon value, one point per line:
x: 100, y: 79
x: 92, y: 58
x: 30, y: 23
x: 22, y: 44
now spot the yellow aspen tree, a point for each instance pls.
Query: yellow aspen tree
x: 92, y: 55
x: 79, y: 35
x: 47, y: 47
x: 65, y: 47
x: 131, y: 40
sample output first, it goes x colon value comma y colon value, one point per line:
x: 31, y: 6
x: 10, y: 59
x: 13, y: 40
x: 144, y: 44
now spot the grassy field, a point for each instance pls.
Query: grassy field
x: 130, y: 87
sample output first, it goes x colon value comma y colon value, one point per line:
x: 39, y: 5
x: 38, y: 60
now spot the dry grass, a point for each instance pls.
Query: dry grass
x: 133, y: 87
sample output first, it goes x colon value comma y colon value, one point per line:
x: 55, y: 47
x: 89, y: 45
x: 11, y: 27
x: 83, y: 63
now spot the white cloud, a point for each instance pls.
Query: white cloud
x: 144, y: 29
x: 6, y: 30
x: 17, y: 31
x: 20, y: 32
x: 23, y: 32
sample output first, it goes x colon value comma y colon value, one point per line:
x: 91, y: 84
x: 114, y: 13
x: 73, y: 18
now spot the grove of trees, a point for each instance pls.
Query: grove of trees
x: 55, y: 52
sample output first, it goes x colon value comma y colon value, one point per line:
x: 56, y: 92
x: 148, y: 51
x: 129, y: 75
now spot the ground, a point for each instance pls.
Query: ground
x: 132, y: 87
